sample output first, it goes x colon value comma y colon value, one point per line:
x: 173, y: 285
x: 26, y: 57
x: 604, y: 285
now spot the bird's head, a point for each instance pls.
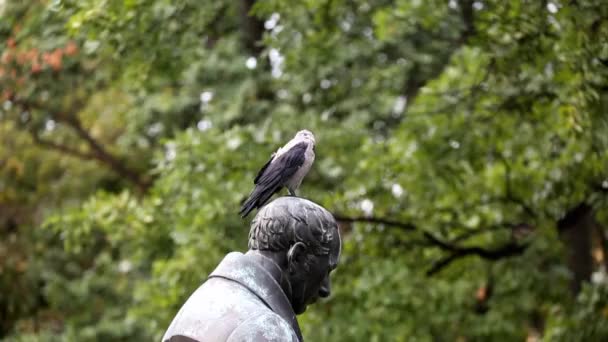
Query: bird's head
x: 306, y: 134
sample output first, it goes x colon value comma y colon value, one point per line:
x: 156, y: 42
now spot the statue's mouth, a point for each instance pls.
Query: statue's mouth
x: 313, y: 299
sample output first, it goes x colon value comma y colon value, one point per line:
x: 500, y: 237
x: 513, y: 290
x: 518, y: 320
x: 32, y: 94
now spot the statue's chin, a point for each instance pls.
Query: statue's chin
x: 302, y: 307
x: 300, y: 310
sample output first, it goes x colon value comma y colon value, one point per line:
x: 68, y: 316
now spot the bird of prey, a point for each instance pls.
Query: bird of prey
x: 286, y: 168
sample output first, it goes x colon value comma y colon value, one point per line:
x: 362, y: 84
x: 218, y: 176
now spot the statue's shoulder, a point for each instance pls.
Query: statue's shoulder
x: 215, y: 310
x: 268, y: 327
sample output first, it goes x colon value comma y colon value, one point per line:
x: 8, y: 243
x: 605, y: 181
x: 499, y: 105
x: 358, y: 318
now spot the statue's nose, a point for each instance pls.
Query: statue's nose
x: 325, y: 289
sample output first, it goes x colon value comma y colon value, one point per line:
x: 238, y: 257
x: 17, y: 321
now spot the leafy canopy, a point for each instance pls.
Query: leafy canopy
x: 453, y: 139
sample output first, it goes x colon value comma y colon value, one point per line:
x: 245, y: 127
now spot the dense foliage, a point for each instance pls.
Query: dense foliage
x: 462, y: 145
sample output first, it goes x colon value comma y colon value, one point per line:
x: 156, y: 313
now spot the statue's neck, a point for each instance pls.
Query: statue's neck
x: 271, y: 262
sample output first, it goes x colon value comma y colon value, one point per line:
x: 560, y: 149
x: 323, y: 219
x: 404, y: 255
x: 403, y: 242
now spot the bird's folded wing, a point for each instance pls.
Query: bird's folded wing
x: 283, y: 167
x: 261, y: 172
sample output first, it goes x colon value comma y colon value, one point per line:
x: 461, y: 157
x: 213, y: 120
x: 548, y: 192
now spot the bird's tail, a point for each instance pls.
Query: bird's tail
x: 259, y: 196
x: 248, y: 206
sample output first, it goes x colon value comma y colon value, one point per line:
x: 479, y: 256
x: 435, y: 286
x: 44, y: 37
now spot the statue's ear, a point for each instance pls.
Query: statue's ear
x: 296, y: 256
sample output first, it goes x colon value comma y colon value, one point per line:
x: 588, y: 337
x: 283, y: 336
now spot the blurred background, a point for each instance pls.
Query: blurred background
x: 461, y: 144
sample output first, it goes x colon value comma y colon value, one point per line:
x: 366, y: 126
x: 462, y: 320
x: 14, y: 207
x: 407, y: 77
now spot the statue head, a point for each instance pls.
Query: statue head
x: 303, y: 238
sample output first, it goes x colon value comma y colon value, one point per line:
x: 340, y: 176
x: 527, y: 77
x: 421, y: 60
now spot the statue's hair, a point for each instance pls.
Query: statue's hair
x: 287, y: 220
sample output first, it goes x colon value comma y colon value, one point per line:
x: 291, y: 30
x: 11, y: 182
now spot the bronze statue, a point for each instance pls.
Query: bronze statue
x: 294, y: 244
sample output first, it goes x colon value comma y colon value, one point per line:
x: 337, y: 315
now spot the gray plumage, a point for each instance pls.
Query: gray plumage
x: 287, y: 167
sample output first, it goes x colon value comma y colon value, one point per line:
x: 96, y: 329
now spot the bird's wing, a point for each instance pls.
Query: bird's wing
x: 283, y: 167
x: 261, y: 172
x: 273, y: 176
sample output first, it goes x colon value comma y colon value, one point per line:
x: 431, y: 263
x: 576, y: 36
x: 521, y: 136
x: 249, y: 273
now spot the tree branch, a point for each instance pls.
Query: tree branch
x: 603, y: 242
x: 103, y: 156
x: 470, y: 233
x: 601, y: 187
x: 575, y: 229
x: 252, y: 28
x: 376, y: 220
x: 490, y: 254
x: 214, y: 35
x: 60, y: 148
x: 456, y: 252
x: 466, y: 13
x: 507, y: 250
x: 413, y: 84
x: 97, y: 151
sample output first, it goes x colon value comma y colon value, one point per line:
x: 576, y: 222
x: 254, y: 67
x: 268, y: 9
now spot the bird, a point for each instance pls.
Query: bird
x: 287, y: 167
